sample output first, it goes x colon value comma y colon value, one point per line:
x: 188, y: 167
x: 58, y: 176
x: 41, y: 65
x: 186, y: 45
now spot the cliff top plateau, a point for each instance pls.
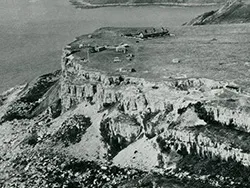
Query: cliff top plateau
x: 216, y: 52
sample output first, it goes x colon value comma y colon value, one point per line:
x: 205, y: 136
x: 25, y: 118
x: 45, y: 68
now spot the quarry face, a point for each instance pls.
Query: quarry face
x: 159, y: 97
x: 148, y: 94
x: 135, y: 107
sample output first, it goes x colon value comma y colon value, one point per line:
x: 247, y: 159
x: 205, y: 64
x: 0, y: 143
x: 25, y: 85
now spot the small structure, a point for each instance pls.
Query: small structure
x: 141, y: 35
x: 92, y: 49
x: 100, y: 48
x: 149, y: 33
x: 154, y: 33
x: 121, y: 49
x: 110, y: 47
x: 117, y: 60
x: 176, y: 60
x: 124, y: 45
x: 85, y: 60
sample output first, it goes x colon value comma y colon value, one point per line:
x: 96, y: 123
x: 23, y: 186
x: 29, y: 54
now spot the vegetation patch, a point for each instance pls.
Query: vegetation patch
x: 24, y: 106
x: 236, y: 138
x: 164, y: 148
x: 72, y: 130
x: 227, y: 173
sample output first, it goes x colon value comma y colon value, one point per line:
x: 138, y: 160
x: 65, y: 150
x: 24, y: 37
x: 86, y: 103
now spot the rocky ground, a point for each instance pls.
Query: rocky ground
x: 105, y: 144
x: 32, y: 157
x: 34, y: 153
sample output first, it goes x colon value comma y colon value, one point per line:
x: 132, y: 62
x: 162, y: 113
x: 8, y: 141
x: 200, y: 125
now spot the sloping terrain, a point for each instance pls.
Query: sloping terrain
x: 134, y: 107
x: 234, y: 11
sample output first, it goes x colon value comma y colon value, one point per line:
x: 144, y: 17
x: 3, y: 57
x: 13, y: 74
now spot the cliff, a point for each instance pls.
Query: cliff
x: 235, y: 11
x: 112, y: 118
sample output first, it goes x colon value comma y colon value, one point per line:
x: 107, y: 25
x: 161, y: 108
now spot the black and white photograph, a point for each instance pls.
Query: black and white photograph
x: 125, y: 94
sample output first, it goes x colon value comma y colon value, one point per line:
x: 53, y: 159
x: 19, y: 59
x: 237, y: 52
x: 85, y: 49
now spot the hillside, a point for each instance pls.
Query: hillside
x: 134, y: 107
x: 235, y: 11
x: 104, y: 3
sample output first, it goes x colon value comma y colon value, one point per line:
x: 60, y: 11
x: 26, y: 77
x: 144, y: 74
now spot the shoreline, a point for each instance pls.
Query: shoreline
x: 83, y: 5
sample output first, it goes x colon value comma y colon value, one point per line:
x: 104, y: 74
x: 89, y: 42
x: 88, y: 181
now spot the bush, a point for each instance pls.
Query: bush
x: 72, y: 130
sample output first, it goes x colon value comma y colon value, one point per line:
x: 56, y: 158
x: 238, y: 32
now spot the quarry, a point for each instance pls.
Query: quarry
x: 134, y: 107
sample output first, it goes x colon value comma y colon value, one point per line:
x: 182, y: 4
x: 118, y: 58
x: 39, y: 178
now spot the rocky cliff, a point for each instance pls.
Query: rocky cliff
x: 150, y: 125
x: 121, y: 128
x: 136, y: 108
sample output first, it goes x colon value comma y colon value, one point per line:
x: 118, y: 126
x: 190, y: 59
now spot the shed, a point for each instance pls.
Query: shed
x: 117, y: 59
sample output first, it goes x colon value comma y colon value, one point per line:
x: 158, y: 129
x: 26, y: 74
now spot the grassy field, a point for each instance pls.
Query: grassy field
x: 219, y: 52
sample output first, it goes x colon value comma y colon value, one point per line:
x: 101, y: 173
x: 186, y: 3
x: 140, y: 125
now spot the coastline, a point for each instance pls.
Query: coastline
x: 84, y: 5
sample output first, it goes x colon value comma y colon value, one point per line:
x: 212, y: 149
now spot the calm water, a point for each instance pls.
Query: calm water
x: 33, y: 32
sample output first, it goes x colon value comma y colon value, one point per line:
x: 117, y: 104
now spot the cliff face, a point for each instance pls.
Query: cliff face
x: 136, y: 108
x: 171, y: 119
x: 235, y: 11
